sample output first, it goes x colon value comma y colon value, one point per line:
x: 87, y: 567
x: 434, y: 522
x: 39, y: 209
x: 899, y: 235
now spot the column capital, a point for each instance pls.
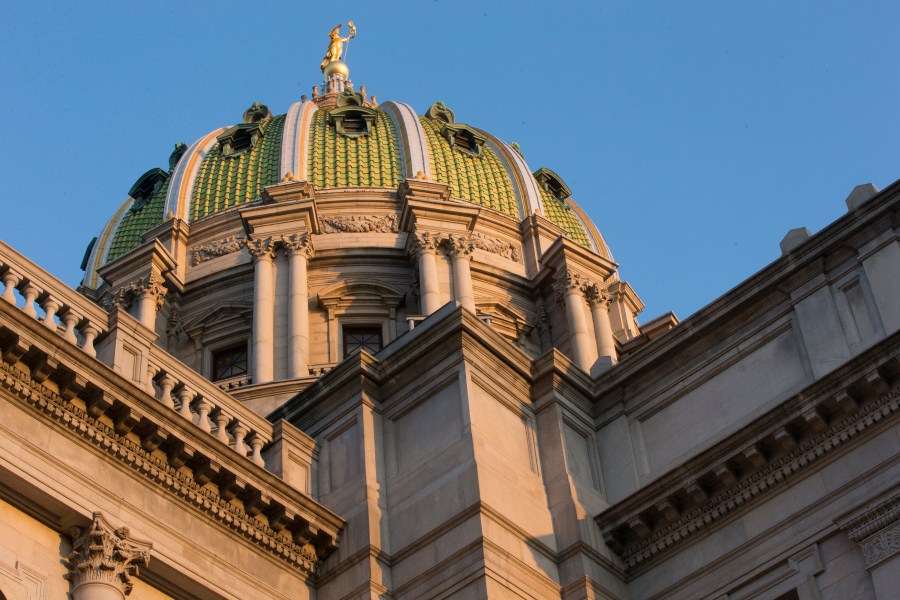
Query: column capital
x: 298, y: 243
x: 105, y: 555
x: 424, y: 242
x: 876, y: 527
x: 597, y: 294
x: 460, y: 245
x: 152, y: 285
x: 567, y: 281
x: 261, y: 248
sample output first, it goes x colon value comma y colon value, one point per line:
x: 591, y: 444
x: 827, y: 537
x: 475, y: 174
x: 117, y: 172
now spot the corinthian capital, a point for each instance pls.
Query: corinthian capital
x: 104, y: 555
x: 298, y: 243
x: 597, y: 293
x: 152, y: 285
x: 262, y: 248
x: 460, y: 245
x: 424, y: 241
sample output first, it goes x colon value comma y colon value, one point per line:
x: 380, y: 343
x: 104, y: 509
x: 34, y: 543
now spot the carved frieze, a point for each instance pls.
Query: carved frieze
x: 203, y: 253
x: 105, y: 555
x: 495, y: 246
x: 877, y: 529
x: 358, y: 224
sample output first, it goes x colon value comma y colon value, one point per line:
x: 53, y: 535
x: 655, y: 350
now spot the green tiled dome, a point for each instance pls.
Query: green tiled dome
x: 479, y: 179
x: 368, y: 161
x: 140, y: 218
x: 226, y: 181
x: 565, y: 217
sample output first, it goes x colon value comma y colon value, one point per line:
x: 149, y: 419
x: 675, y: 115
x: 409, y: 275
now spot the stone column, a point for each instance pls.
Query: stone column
x: 598, y: 297
x: 150, y: 293
x: 425, y: 250
x: 263, y: 309
x: 569, y: 286
x: 299, y: 250
x: 461, y: 249
x: 104, y: 560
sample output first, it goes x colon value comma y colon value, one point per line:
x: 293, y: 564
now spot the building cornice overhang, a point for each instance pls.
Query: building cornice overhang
x: 796, y: 272
x: 450, y: 329
x: 115, y: 410
x: 782, y: 446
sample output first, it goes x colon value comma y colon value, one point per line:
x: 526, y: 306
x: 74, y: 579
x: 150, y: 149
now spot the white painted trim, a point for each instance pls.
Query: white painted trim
x: 178, y: 198
x: 414, y: 144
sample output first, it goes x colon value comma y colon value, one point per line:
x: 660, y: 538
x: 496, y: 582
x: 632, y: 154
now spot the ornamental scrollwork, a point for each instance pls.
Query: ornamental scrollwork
x: 359, y: 224
x: 495, y: 246
x: 218, y: 248
x: 106, y: 555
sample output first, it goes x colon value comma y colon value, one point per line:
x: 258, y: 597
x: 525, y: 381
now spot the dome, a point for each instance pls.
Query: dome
x: 284, y: 241
x: 338, y: 140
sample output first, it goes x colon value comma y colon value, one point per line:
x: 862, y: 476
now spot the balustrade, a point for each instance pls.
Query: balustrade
x: 209, y: 408
x: 80, y: 321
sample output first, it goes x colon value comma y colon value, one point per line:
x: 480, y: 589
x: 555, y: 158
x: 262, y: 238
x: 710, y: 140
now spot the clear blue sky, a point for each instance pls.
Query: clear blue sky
x: 695, y: 133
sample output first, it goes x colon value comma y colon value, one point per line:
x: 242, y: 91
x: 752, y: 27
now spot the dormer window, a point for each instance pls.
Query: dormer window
x: 353, y: 121
x: 146, y: 185
x: 241, y: 138
x: 552, y: 183
x: 463, y: 138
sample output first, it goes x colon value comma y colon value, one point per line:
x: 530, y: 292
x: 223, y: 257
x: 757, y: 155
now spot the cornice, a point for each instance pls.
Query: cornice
x: 139, y: 433
x: 776, y: 449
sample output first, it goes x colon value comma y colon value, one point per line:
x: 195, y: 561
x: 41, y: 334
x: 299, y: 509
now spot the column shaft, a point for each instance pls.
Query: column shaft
x: 606, y: 344
x: 578, y: 330
x: 298, y: 318
x: 263, y: 320
x: 429, y: 291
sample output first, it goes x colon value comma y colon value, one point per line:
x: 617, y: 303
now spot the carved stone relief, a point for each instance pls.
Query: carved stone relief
x: 358, y: 224
x: 218, y: 248
x: 104, y: 555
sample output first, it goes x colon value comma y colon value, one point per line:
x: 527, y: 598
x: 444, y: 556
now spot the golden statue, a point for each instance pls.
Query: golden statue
x: 336, y: 46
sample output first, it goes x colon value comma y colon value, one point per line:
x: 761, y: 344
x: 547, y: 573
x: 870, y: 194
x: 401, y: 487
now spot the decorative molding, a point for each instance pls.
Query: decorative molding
x: 105, y: 555
x: 567, y: 281
x: 459, y: 245
x: 876, y: 528
x: 261, y: 248
x: 359, y: 224
x: 298, y: 243
x: 229, y: 245
x: 495, y: 246
x: 124, y: 297
x: 652, y: 542
x: 424, y: 241
x: 596, y: 293
x: 175, y: 482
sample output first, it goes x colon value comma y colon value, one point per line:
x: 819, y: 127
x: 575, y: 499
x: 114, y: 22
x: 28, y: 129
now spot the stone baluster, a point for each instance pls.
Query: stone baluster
x: 256, y: 444
x: 30, y: 292
x: 424, y: 248
x: 569, y: 287
x: 239, y: 432
x: 203, y: 407
x: 299, y: 250
x: 222, y: 419
x: 90, y: 333
x: 598, y: 297
x: 166, y: 384
x: 184, y: 409
x: 70, y: 320
x: 460, y: 250
x: 51, y: 306
x: 10, y: 280
x: 104, y: 560
x: 263, y: 253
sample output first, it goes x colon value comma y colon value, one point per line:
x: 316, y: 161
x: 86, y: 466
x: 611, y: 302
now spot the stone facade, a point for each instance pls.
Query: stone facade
x: 351, y: 391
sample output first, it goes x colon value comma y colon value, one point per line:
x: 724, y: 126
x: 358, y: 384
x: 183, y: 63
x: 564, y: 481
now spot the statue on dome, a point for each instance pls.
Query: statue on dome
x: 336, y: 45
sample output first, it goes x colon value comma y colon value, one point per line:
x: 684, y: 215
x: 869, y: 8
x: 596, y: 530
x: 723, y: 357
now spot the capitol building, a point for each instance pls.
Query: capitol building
x: 354, y: 349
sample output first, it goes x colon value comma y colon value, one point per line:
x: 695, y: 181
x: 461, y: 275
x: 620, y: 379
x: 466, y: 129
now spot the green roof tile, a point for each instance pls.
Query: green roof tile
x: 481, y: 180
x: 565, y: 217
x: 223, y: 182
x: 367, y: 161
x: 137, y: 222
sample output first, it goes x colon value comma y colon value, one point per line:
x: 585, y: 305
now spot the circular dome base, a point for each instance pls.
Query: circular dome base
x: 336, y: 66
